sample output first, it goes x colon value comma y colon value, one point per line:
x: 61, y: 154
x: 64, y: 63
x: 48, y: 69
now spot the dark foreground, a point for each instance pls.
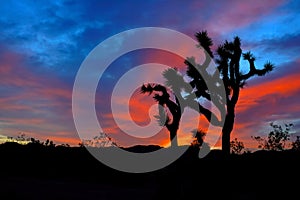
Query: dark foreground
x: 32, y: 172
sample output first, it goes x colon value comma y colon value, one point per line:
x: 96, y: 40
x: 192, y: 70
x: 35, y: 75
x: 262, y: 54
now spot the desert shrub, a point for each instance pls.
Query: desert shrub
x: 276, y: 139
x: 236, y: 147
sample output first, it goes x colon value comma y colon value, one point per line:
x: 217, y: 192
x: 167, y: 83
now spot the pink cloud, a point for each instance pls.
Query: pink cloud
x: 237, y: 14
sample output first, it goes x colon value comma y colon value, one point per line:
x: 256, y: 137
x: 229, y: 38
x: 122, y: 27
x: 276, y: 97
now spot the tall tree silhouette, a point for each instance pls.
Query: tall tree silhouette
x: 209, y: 85
x: 230, y: 54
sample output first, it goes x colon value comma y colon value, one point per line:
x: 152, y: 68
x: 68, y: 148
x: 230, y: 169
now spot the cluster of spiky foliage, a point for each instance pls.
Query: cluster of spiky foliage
x: 161, y: 96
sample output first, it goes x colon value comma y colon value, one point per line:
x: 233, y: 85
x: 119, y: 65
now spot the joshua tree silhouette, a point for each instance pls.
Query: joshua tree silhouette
x: 169, y: 110
x: 230, y: 54
x: 228, y: 75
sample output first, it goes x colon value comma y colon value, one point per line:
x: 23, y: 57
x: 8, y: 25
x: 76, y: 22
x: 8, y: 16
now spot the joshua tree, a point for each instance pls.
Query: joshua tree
x: 198, y: 138
x: 228, y: 75
x: 169, y: 110
x: 229, y: 55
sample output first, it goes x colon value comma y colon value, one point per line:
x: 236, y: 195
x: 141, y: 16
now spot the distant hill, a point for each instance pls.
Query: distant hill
x: 142, y: 148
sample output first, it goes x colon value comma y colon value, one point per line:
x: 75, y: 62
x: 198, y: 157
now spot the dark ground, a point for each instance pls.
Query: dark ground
x: 38, y: 172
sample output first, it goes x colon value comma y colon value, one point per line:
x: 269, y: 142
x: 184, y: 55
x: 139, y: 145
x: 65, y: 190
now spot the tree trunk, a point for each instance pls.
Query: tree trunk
x: 226, y: 131
x: 226, y: 142
x: 173, y: 138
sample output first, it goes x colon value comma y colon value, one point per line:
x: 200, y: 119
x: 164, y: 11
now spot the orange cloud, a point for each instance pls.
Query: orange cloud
x: 285, y: 86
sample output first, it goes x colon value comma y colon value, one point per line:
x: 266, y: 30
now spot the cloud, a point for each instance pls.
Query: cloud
x: 236, y: 14
x: 281, y: 50
x: 64, y: 32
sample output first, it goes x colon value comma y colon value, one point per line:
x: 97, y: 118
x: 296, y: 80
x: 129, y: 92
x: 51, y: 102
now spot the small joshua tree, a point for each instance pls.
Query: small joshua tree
x: 198, y: 138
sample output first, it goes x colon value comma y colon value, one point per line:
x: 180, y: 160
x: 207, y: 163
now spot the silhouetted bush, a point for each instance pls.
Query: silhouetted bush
x: 101, y: 140
x: 276, y: 139
x: 237, y: 147
x: 296, y: 144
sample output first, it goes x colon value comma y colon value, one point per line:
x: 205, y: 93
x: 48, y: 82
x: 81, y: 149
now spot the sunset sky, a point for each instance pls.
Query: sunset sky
x: 43, y: 43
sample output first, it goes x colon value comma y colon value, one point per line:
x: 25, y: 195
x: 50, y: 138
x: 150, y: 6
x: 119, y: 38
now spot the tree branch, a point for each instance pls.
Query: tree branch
x: 253, y: 71
x: 211, y: 117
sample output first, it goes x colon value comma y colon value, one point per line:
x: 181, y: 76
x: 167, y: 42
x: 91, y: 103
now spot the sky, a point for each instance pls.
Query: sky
x: 43, y: 44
